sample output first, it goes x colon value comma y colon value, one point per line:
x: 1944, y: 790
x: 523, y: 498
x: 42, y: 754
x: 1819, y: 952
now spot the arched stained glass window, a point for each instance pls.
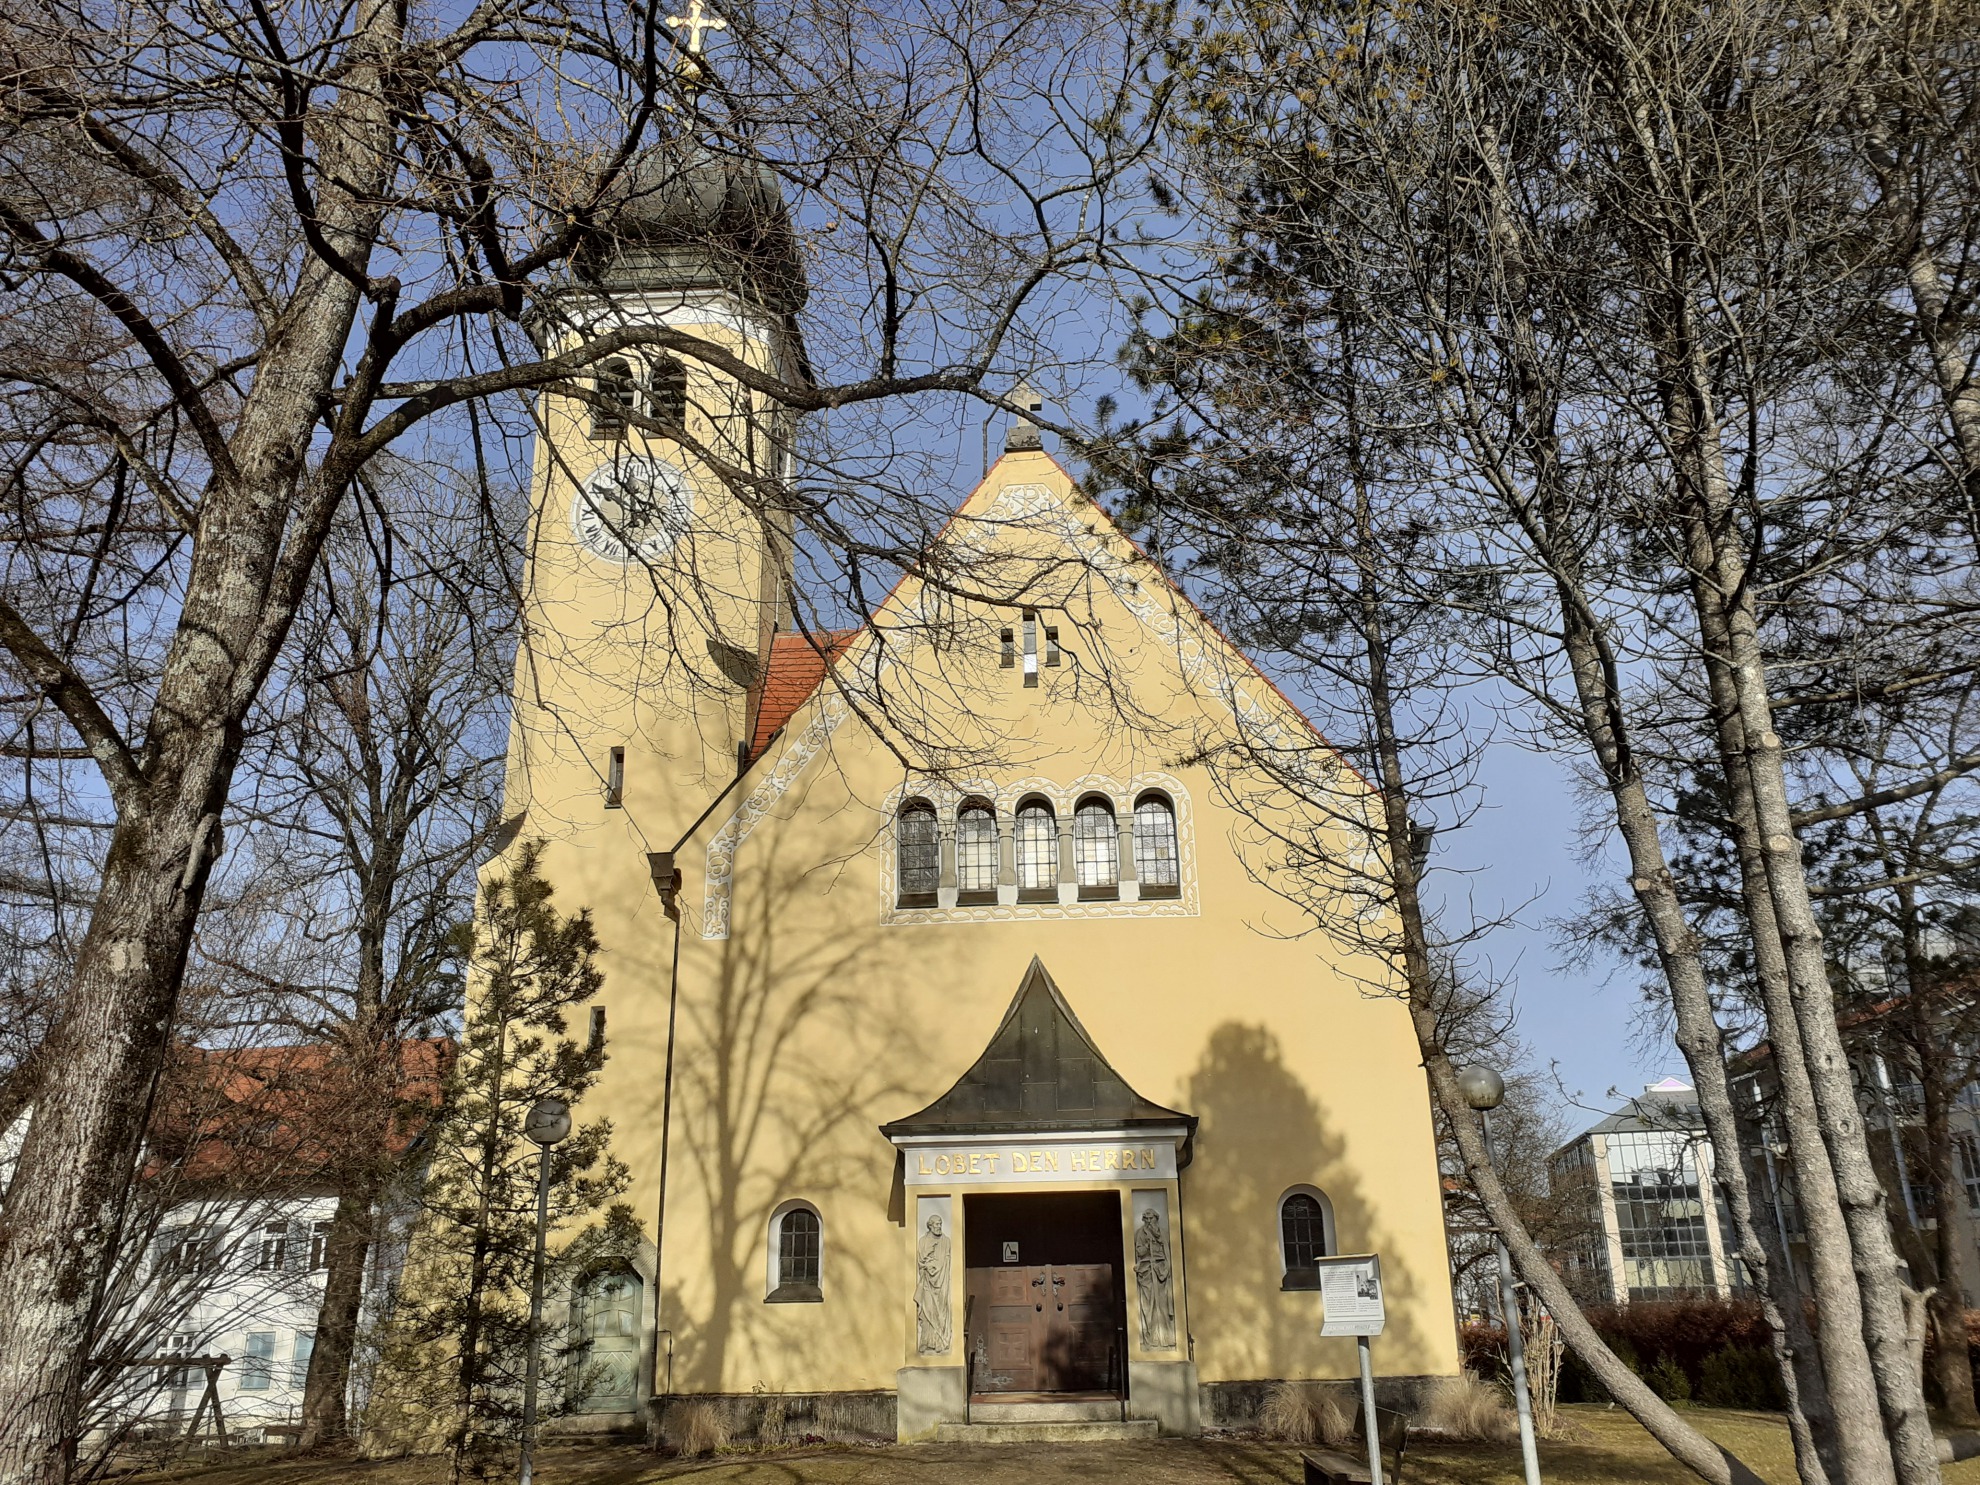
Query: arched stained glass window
x: 1157, y: 861
x: 920, y: 854
x: 976, y: 852
x: 1305, y: 1237
x: 1096, y: 848
x: 797, y: 1243
x: 1037, y: 851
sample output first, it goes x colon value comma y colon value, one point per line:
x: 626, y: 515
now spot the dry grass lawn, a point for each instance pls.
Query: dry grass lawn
x: 1608, y: 1449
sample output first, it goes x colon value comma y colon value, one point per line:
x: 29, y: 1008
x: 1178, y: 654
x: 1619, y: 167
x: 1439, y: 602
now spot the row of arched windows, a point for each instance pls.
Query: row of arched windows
x: 662, y: 394
x: 1037, y: 858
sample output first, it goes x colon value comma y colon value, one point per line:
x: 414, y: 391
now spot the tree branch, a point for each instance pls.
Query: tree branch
x: 72, y: 695
x: 1960, y: 766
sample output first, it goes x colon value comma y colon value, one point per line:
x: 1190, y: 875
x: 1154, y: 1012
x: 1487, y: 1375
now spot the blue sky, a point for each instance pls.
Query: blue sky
x: 1524, y: 852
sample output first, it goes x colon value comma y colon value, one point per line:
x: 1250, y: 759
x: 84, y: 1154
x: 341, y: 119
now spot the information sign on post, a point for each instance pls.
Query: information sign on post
x: 1351, y: 1304
x: 1351, y: 1292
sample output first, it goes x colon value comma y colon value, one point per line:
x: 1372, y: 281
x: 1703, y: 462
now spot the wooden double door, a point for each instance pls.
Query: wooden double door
x: 1047, y: 1315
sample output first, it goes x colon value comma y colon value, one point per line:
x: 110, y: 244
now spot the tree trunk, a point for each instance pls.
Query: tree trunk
x: 1689, y: 1447
x: 65, y: 1207
x: 1953, y: 364
x: 1952, y: 1364
x: 1840, y: 1430
x: 1831, y: 1256
x: 1729, y: 634
x: 373, y: 1059
x: 1819, y: 1421
x: 326, y: 1392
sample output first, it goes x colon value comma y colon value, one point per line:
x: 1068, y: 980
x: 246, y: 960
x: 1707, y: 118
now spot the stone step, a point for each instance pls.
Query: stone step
x: 1089, y: 1432
x: 1085, y: 1410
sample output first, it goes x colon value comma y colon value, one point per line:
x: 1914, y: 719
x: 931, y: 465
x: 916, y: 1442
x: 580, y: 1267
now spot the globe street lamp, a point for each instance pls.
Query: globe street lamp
x: 547, y: 1123
x: 1485, y: 1090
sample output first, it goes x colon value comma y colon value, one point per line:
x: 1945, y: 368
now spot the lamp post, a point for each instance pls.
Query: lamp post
x: 547, y: 1123
x: 1485, y: 1090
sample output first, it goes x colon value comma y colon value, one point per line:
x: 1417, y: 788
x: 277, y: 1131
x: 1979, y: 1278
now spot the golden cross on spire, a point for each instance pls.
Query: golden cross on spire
x: 697, y: 20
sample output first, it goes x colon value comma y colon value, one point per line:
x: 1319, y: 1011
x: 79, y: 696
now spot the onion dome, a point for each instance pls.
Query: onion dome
x: 689, y: 217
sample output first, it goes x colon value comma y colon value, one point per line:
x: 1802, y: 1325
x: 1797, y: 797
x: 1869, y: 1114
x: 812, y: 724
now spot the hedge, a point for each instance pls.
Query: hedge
x: 1705, y: 1350
x: 1712, y: 1351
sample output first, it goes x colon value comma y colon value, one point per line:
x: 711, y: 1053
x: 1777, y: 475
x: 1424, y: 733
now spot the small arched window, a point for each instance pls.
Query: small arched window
x: 976, y: 852
x: 666, y: 391
x: 1157, y: 861
x: 920, y: 854
x: 1306, y: 1235
x: 796, y: 1255
x: 615, y: 393
x: 1037, y: 852
x: 1096, y: 849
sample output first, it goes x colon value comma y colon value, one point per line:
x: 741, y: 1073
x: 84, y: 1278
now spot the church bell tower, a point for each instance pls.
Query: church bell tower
x: 660, y: 559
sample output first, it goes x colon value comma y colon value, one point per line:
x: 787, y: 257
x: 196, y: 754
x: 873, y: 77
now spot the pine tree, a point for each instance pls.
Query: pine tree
x: 466, y: 1295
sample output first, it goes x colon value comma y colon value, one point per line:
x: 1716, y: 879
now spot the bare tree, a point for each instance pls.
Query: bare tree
x: 381, y: 778
x: 1303, y: 548
x: 1619, y: 286
x: 248, y: 250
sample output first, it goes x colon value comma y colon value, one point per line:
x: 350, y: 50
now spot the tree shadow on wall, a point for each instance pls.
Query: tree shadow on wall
x: 1261, y: 1132
x: 788, y: 1063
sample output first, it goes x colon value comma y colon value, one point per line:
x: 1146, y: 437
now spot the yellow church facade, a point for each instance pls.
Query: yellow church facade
x: 967, y: 1060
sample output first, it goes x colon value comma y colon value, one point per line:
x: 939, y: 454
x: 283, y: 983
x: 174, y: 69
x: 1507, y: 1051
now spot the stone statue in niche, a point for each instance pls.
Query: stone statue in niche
x: 931, y: 1290
x: 1154, y: 1284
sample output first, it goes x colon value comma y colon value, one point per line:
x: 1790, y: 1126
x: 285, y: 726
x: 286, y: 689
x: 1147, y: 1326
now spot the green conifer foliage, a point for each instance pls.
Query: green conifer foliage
x: 461, y: 1329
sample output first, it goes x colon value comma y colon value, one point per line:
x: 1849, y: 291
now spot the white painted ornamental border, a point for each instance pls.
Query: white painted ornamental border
x: 1079, y: 1158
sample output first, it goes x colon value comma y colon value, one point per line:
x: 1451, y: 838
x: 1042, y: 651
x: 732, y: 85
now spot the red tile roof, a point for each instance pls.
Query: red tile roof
x: 797, y: 665
x: 287, y: 1112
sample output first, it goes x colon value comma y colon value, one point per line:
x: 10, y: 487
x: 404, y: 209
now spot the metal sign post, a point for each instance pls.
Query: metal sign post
x: 1351, y: 1299
x: 1368, y: 1424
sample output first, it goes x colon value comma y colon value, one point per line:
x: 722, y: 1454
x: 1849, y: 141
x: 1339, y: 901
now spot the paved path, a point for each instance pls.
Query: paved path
x: 1168, y: 1462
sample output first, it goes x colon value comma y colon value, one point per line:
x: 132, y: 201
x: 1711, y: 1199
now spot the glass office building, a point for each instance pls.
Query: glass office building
x: 1654, y: 1229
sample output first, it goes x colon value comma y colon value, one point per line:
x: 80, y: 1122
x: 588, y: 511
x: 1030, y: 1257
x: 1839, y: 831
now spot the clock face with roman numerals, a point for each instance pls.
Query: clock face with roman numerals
x: 634, y: 507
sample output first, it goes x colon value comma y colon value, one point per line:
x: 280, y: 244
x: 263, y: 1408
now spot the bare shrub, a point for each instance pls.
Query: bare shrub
x: 774, y: 1429
x: 1469, y: 1409
x: 694, y: 1428
x: 1544, y: 1352
x: 834, y: 1420
x: 843, y: 1420
x: 1305, y: 1413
